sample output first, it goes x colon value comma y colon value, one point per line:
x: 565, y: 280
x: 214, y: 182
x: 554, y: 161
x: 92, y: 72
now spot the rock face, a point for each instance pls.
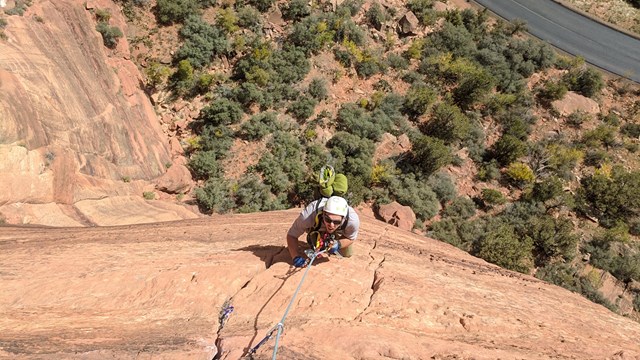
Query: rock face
x: 158, y: 291
x: 75, y: 123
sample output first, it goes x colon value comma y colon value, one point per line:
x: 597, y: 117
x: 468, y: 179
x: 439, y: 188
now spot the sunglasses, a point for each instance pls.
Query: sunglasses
x: 328, y: 220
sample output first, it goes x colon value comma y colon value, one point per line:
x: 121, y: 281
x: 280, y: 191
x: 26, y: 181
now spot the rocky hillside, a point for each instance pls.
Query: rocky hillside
x: 158, y: 291
x: 79, y: 139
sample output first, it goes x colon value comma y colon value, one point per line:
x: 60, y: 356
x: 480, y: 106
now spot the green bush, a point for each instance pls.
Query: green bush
x: 631, y: 130
x: 355, y: 120
x: 610, y: 199
x: 302, y: 108
x: 215, y: 196
x: 423, y: 10
x: 201, y: 42
x: 204, y: 165
x: 553, y: 239
x: 520, y: 174
x: 458, y: 232
x: 318, y: 89
x: 249, y: 18
x: 503, y: 247
x: 110, y: 34
x: 508, y: 149
x: 491, y: 197
x: 551, y: 193
x: 259, y: 125
x: 415, y: 193
x: 175, y: 11
x: 585, y: 80
x: 295, y: 10
x: 252, y: 195
x: 221, y: 112
x: 418, y: 100
x: 376, y: 16
x: 447, y: 123
x: 443, y: 186
x: 430, y: 154
x: 312, y: 34
x: 282, y: 167
x: 217, y: 139
x: 551, y: 91
x: 577, y: 118
x: 462, y: 207
x: 262, y: 5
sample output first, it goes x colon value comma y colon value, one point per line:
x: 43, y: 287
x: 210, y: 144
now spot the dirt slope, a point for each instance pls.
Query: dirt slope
x: 156, y: 291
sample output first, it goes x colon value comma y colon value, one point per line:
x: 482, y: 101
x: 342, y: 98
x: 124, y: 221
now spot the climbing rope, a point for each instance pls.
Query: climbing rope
x: 280, y: 326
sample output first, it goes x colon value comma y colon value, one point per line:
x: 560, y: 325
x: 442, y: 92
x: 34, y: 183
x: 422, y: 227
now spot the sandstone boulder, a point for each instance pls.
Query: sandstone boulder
x: 573, y: 102
x: 408, y: 24
x: 397, y: 215
x: 176, y: 180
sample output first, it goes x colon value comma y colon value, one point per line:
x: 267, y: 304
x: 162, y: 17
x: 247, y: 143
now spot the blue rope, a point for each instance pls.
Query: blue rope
x: 280, y: 325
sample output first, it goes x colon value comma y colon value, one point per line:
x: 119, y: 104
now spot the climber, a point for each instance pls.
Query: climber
x: 329, y: 222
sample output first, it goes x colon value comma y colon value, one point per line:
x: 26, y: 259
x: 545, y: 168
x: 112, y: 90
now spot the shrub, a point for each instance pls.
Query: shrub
x: 252, y: 195
x: 376, y: 16
x: 447, y: 123
x: 422, y: 9
x: 215, y: 196
x: 611, y: 199
x: 577, y: 118
x: 149, y: 195
x: 418, y: 100
x: 261, y: 5
x: 551, y: 91
x: 201, y: 42
x: 631, y: 130
x: 409, y: 191
x: 303, y: 108
x: 110, y: 34
x: 460, y: 207
x: 249, y: 18
x: 204, y: 165
x: 553, y: 239
x: 430, y: 154
x: 563, y: 159
x: 318, y: 89
x: 602, y: 135
x: 282, y: 166
x: 443, y: 186
x: 175, y: 11
x: 221, y: 112
x: 491, y: 197
x: 520, y: 174
x: 258, y: 126
x: 157, y: 74
x: 295, y: 10
x: 508, y: 149
x: 501, y: 246
x: 585, y: 80
x: 182, y: 79
x: 217, y: 139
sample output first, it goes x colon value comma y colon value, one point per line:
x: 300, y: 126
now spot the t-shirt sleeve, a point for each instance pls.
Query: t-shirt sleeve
x: 353, y: 226
x: 306, y: 220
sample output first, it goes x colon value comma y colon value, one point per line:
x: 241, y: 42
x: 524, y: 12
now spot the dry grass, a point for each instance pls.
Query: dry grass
x: 617, y: 12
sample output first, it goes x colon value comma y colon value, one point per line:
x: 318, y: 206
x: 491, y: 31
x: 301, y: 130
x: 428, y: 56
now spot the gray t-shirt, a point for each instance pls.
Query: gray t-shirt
x: 306, y: 221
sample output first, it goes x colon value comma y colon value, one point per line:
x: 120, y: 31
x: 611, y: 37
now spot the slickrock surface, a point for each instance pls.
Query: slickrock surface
x: 156, y: 291
x: 74, y: 123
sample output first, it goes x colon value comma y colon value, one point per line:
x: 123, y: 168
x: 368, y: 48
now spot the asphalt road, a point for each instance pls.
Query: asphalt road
x: 574, y: 33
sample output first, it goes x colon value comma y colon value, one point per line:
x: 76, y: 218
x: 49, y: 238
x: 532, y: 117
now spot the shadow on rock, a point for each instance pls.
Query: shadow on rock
x: 272, y: 254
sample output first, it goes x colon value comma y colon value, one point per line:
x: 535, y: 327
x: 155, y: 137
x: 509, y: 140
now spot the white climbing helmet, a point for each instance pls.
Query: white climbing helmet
x: 337, y: 206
